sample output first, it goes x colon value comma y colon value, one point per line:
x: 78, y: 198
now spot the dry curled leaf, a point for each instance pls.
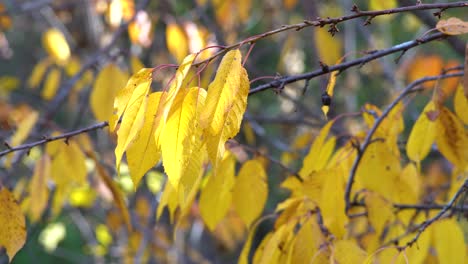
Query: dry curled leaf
x: 452, y: 26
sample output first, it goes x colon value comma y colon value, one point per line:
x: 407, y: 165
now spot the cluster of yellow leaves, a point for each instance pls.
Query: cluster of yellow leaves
x: 312, y: 226
x: 186, y: 127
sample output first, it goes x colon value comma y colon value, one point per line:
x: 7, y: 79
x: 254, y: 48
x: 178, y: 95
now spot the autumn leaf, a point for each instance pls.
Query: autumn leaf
x: 348, y: 252
x: 51, y: 84
x: 449, y: 241
x: 452, y: 26
x: 216, y: 196
x: 12, y: 224
x: 143, y: 153
x: 56, y: 45
x: 176, y: 41
x: 250, y: 191
x: 133, y: 118
x: 181, y: 137
x: 38, y: 72
x: 460, y: 104
x: 422, y: 135
x: 379, y: 210
x: 108, y: 82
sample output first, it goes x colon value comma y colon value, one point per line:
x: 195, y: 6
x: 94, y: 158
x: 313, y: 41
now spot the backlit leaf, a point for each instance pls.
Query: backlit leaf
x: 143, y: 154
x: 108, y: 82
x: 137, y: 82
x: 422, y: 135
x: 379, y: 211
x: 12, y: 224
x: 176, y: 41
x: 134, y: 115
x: 181, y: 137
x: 56, y: 45
x: 216, y: 196
x: 169, y: 198
x: 308, y: 243
x: 250, y: 191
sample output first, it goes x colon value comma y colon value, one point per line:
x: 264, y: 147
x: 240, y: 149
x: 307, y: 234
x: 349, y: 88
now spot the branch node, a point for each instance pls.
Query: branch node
x: 355, y: 9
x: 333, y: 29
x: 7, y: 145
x: 324, y: 67
x: 369, y: 20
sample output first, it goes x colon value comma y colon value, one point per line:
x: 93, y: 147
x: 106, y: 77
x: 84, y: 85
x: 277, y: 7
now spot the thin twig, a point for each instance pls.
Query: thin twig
x: 378, y: 121
x: 43, y: 141
x: 345, y: 65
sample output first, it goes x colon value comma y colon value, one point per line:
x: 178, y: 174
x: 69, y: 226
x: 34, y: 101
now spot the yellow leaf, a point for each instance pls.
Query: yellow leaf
x: 223, y: 91
x: 82, y: 196
x: 379, y: 211
x: 24, y: 128
x: 309, y: 244
x: 318, y: 151
x: 143, y: 154
x: 380, y: 5
x: 137, y: 82
x: 461, y: 105
x: 449, y: 242
x: 133, y: 119
x: 169, y: 199
x: 422, y: 135
x: 452, y: 26
x: 379, y: 169
x: 38, y: 72
x: 181, y: 137
x: 244, y: 10
x: 51, y: 84
x: 329, y: 47
x: 38, y: 190
x: 332, y: 204
x: 250, y: 191
x: 109, y: 80
x: 451, y: 138
x: 176, y: 41
x: 73, y: 66
x: 216, y: 196
x: 272, y: 251
x: 56, y: 45
x: 168, y: 97
x: 225, y: 105
x: 12, y: 224
x: 348, y: 252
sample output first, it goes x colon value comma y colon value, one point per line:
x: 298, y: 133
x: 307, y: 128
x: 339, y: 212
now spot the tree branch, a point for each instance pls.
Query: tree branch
x: 345, y: 65
x: 28, y: 146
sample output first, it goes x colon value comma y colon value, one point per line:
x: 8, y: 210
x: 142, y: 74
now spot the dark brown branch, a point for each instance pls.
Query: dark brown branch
x: 43, y: 141
x: 343, y: 66
x: 368, y: 139
x: 332, y: 22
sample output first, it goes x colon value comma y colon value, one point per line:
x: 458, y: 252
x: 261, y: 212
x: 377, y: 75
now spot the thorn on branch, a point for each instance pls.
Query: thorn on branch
x: 369, y: 20
x: 333, y: 29
x: 397, y: 60
x: 7, y: 145
x: 438, y: 14
x: 67, y: 140
x: 355, y: 9
x: 324, y: 67
x: 306, y: 85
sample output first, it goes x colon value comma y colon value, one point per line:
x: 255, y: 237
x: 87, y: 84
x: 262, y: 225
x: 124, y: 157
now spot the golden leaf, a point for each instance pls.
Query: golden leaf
x: 137, y: 82
x: 169, y: 199
x: 143, y: 154
x: 422, y: 135
x: 56, y: 45
x: 216, y: 196
x: 133, y: 119
x: 176, y: 41
x: 38, y: 72
x: 250, y: 191
x: 12, y: 224
x: 348, y: 252
x: 379, y: 211
x: 51, y: 84
x: 181, y: 137
x: 108, y: 82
